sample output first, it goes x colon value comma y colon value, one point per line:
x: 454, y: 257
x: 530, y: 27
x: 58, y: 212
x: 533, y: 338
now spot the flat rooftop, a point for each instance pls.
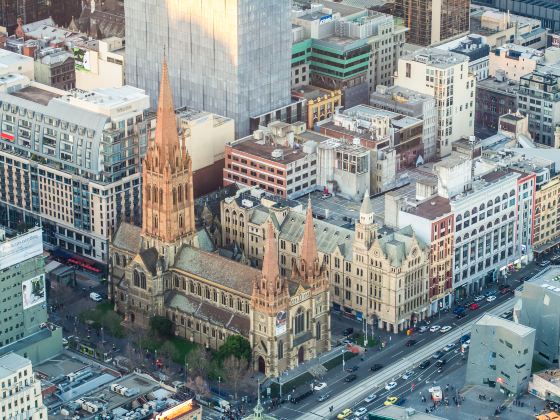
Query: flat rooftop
x: 431, y: 209
x: 496, y: 321
x: 397, y: 120
x: 310, y: 92
x: 36, y: 94
x: 506, y: 87
x: 437, y: 58
x: 548, y: 279
x: 263, y: 150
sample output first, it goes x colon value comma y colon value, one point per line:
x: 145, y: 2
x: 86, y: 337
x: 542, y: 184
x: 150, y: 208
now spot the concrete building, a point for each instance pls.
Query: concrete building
x: 539, y: 98
x: 547, y: 216
x: 11, y: 62
x: 538, y: 308
x: 104, y: 65
x: 321, y: 103
x: 546, y: 385
x: 501, y: 352
x: 433, y: 22
x: 475, y: 47
x: 216, y: 47
x: 412, y: 104
x: 434, y: 223
x: 70, y: 162
x: 272, y: 160
x: 445, y: 75
x: 502, y: 27
x: 21, y: 394
x: 515, y: 61
x: 206, y: 136
x: 24, y: 328
x: 495, y: 96
x: 55, y: 67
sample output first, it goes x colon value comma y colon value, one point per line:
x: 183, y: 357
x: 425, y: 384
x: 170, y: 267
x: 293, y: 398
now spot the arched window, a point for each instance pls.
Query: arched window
x: 142, y: 280
x: 154, y: 194
x: 148, y: 193
x: 504, y: 196
x: 136, y: 278
x: 155, y: 222
x: 180, y: 194
x: 474, y: 210
x: 482, y: 207
x: 318, y: 330
x: 280, y: 349
x: 490, y: 203
x: 161, y: 195
x: 174, y: 196
x: 459, y: 218
x: 117, y: 259
x: 299, y: 322
x: 180, y: 220
x: 512, y: 193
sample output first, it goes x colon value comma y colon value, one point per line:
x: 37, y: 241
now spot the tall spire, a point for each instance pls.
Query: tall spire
x: 270, y: 270
x: 166, y: 138
x: 309, y: 242
x: 366, y: 210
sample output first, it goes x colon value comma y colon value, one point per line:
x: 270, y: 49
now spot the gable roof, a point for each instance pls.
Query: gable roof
x: 127, y: 237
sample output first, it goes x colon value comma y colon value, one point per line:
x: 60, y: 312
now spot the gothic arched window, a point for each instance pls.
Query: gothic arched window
x: 280, y: 349
x: 318, y: 330
x: 299, y: 321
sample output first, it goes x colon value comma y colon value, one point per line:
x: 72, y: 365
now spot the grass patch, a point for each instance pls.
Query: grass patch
x: 104, y: 316
x: 337, y: 361
x: 176, y: 348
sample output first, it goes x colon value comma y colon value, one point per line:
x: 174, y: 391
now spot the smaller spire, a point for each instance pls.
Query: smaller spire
x: 366, y: 204
x: 270, y: 270
x: 309, y: 242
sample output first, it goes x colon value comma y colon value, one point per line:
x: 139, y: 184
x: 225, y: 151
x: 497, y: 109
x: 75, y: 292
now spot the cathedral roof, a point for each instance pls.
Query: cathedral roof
x: 215, y: 268
x: 149, y: 259
x: 127, y: 237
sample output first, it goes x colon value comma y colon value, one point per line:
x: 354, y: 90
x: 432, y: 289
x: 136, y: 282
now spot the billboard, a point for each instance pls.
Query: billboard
x: 325, y: 19
x: 281, y: 322
x: 81, y: 59
x: 21, y: 248
x: 33, y: 291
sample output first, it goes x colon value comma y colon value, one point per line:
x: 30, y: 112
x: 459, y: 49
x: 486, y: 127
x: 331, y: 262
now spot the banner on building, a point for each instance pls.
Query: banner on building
x: 21, y: 248
x: 81, y: 59
x: 33, y: 291
x: 281, y: 322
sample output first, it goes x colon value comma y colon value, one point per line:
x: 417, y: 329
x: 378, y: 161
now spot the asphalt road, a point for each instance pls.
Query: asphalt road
x: 396, y: 358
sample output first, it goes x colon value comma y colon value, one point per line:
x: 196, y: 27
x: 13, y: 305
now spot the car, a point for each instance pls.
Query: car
x: 408, y: 374
x: 350, y: 378
x: 370, y: 398
x: 440, y: 369
x: 424, y: 364
x: 460, y: 316
x: 474, y: 306
x: 317, y: 386
x: 459, y: 310
x: 505, y: 290
x: 434, y: 328
x: 360, y: 411
x: 348, y: 331
x: 490, y: 293
x: 96, y: 297
x: 422, y: 329
x: 344, y: 413
x: 351, y: 369
x: 347, y: 341
x: 376, y: 367
x: 491, y: 298
x: 410, y: 343
x: 390, y: 386
x: 465, y: 338
x: 324, y: 397
x: 544, y: 263
x: 441, y: 362
x: 449, y: 347
x: 437, y: 355
x: 391, y: 400
x: 64, y: 343
x: 478, y: 298
x: 445, y: 329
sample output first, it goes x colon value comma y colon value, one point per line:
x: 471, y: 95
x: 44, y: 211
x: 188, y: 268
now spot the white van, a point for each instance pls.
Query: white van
x: 96, y: 297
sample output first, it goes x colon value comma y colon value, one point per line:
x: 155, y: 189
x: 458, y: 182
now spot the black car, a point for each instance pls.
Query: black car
x: 461, y: 315
x: 441, y: 362
x: 410, y: 343
x: 351, y: 369
x: 424, y: 364
x: 348, y: 331
x: 350, y: 378
x: 375, y: 367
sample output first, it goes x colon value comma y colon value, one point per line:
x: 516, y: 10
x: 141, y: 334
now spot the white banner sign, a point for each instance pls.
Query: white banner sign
x: 14, y: 251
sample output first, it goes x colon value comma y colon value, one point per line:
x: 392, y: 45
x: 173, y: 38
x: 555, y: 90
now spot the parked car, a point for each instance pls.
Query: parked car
x: 478, y: 298
x: 445, y: 329
x: 410, y: 343
x: 435, y: 328
x: 449, y: 347
x: 459, y: 310
x: 505, y: 290
x: 390, y: 386
x: 491, y: 298
x: 465, y: 338
x: 376, y: 367
x: 461, y: 315
x: 424, y: 364
x: 490, y: 293
x: 351, y: 369
x: 348, y: 331
x: 441, y: 362
x: 96, y: 297
x: 370, y: 398
x: 440, y: 369
x: 324, y: 397
x: 317, y: 386
x: 350, y: 378
x: 422, y: 329
x: 344, y: 414
x: 438, y: 354
x: 360, y: 411
x: 407, y: 374
x: 474, y: 306
x: 391, y: 400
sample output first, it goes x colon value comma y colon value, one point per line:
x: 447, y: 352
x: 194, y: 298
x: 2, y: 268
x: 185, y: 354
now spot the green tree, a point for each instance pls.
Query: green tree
x: 161, y: 326
x: 235, y: 369
x: 235, y: 345
x: 199, y: 362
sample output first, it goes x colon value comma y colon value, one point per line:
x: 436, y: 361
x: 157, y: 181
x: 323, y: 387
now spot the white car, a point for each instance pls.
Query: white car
x: 96, y: 297
x: 360, y: 411
x: 449, y: 347
x: 407, y: 374
x: 391, y: 385
x: 478, y: 298
x: 370, y: 398
x: 445, y: 329
x: 319, y: 386
x: 490, y: 298
x: 434, y: 328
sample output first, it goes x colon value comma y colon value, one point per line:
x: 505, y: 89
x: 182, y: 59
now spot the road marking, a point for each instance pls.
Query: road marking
x: 396, y: 354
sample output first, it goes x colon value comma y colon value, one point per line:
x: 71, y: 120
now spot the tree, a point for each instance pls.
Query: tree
x: 235, y: 369
x: 199, y: 362
x: 199, y: 386
x: 161, y: 326
x: 235, y: 345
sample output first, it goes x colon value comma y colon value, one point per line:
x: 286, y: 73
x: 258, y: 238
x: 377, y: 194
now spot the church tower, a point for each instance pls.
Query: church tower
x: 167, y: 201
x: 366, y: 229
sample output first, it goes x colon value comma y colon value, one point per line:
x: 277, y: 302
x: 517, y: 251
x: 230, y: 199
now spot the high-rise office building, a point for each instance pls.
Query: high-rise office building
x: 229, y: 57
x: 433, y: 21
x: 27, y: 10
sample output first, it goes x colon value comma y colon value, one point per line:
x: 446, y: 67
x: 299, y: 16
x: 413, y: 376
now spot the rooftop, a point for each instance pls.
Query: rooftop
x: 397, y: 120
x: 496, y: 321
x: 264, y: 150
x: 548, y: 279
x: 432, y: 208
x: 8, y: 58
x: 401, y: 94
x: 310, y: 92
x: 497, y: 85
x: 11, y: 363
x: 436, y: 57
x: 515, y: 51
x: 37, y: 94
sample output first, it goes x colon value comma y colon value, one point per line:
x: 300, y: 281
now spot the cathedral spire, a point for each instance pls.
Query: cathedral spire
x: 309, y: 253
x: 270, y: 270
x: 166, y: 138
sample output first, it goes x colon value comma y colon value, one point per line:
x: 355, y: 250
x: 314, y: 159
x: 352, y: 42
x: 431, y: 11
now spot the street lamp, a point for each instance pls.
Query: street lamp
x: 219, y: 386
x: 342, y: 360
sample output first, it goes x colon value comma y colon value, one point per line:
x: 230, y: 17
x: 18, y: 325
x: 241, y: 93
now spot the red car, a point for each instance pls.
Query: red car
x: 474, y: 306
